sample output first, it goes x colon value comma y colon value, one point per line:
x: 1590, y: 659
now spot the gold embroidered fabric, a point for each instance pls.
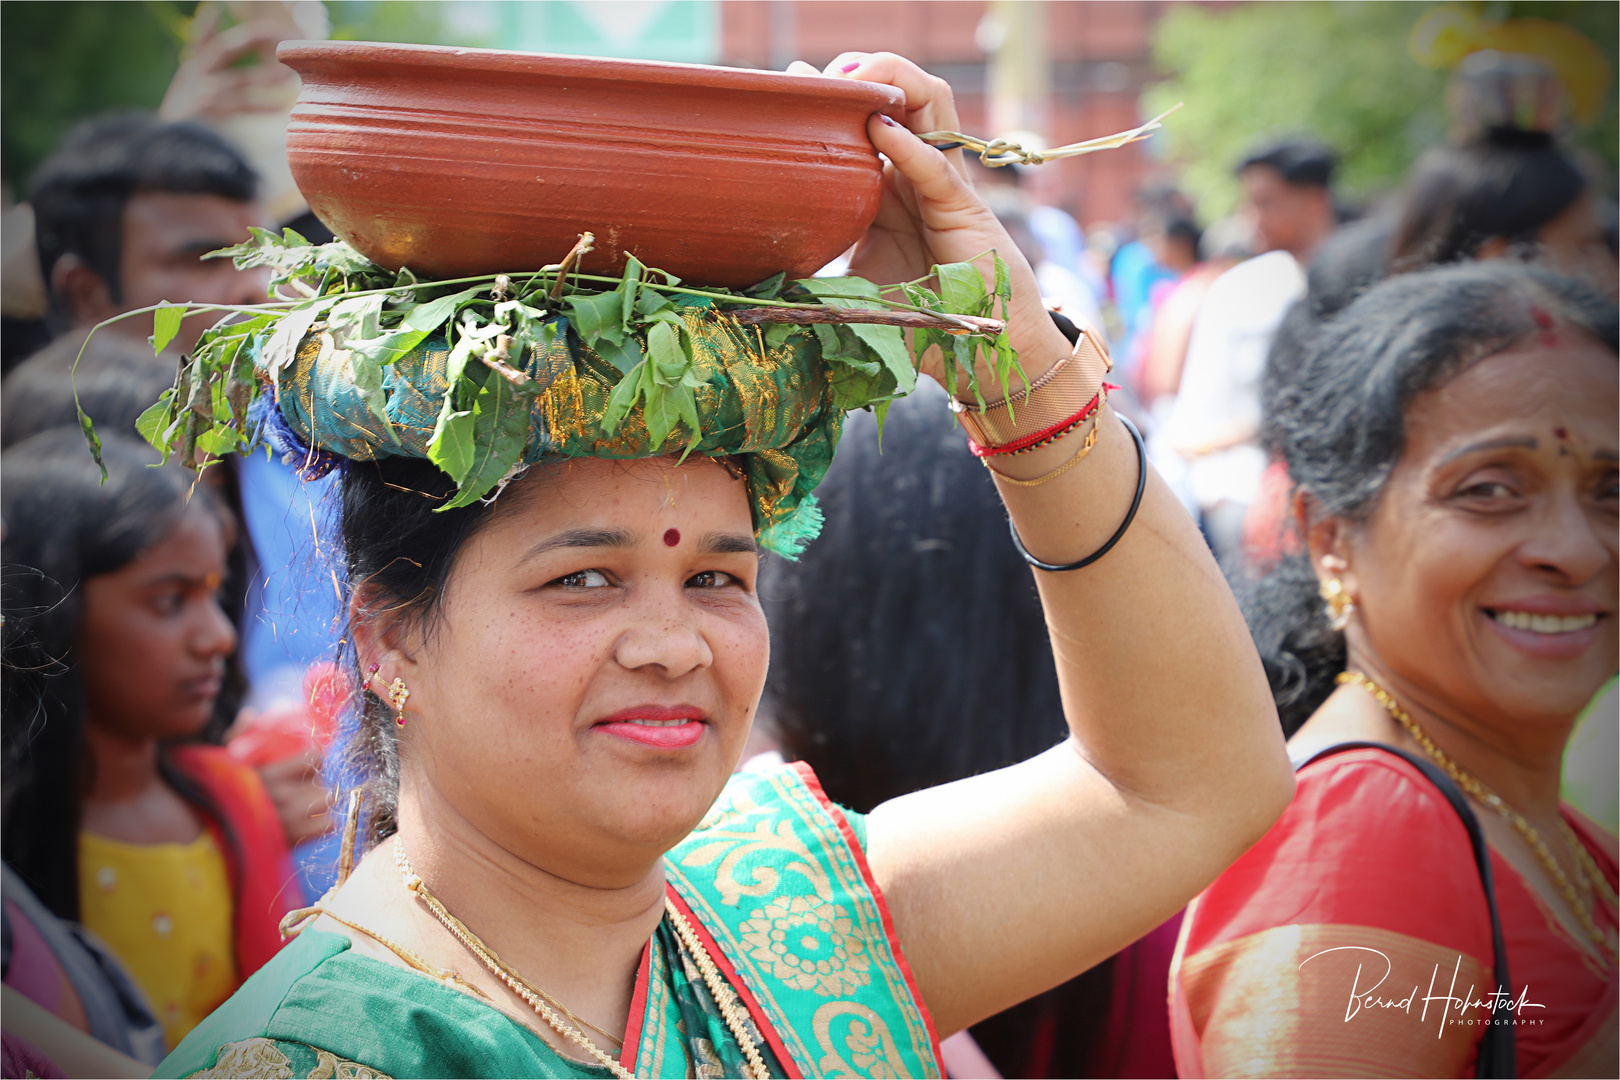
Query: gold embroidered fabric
x: 263, y: 1059
x: 1258, y: 1004
x: 773, y: 407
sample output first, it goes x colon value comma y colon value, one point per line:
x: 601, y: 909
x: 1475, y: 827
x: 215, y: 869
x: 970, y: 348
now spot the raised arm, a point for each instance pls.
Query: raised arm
x: 1008, y: 883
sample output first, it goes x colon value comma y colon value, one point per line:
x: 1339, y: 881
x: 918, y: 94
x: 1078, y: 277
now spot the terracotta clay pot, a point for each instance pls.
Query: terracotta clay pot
x: 457, y: 162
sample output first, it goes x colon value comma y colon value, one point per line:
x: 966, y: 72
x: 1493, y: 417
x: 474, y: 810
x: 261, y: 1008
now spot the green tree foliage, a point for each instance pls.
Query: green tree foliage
x: 1337, y: 72
x: 62, y: 62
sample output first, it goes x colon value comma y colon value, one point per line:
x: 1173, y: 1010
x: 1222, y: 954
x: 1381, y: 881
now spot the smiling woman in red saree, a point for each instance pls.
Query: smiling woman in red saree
x: 1452, y: 436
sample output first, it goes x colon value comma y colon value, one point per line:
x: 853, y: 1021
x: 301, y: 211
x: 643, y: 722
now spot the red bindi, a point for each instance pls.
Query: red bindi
x: 1561, y: 432
x: 672, y: 537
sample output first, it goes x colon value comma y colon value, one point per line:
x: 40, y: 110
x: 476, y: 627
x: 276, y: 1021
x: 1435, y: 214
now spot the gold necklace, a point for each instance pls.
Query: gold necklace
x: 1532, y: 836
x: 552, y: 1011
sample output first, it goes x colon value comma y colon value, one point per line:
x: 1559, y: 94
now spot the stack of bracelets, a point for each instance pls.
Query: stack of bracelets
x: 1068, y: 396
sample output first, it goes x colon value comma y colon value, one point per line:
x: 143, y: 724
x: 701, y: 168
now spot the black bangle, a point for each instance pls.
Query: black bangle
x: 1130, y: 515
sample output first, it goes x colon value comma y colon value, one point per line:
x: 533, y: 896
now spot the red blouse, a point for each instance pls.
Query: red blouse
x: 1354, y: 940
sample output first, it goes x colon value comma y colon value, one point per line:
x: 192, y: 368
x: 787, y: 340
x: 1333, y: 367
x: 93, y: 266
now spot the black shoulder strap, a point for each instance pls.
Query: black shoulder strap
x: 1497, y: 1056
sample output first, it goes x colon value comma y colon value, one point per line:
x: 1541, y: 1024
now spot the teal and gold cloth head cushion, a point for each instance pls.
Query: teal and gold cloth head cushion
x: 770, y: 407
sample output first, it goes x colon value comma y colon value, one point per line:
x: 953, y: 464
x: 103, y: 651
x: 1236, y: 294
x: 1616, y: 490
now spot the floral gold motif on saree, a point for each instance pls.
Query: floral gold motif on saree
x: 262, y: 1059
x: 864, y: 1036
x: 809, y: 944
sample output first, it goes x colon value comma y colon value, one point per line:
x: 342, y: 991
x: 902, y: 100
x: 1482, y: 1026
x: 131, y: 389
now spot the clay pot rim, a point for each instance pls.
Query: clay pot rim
x: 302, y: 55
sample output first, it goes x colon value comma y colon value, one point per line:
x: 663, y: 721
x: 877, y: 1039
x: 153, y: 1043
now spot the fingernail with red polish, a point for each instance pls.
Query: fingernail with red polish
x: 849, y: 67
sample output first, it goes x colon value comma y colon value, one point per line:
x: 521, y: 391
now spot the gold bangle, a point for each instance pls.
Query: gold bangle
x: 1057, y: 394
x: 1085, y: 448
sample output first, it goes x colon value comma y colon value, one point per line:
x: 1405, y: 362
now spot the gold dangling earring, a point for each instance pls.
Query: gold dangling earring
x: 398, y: 694
x: 1340, y: 604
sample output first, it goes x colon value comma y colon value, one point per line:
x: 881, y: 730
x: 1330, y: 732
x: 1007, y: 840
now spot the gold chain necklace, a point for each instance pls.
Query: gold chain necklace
x: 552, y: 1011
x: 1586, y: 866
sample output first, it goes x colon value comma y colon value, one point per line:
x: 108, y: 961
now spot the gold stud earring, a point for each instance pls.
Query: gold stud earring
x: 1340, y: 604
x: 398, y: 694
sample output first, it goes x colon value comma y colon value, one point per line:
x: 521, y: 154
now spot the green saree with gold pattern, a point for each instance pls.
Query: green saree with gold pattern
x: 775, y: 882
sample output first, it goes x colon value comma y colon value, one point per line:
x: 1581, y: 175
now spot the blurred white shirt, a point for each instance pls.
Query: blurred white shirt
x: 1220, y: 383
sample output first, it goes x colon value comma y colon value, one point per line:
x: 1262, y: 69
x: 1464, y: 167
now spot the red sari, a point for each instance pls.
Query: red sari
x: 1314, y: 954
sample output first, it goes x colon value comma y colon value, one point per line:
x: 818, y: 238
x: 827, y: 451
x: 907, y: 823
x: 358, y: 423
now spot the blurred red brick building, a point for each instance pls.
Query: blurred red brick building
x: 1100, y: 57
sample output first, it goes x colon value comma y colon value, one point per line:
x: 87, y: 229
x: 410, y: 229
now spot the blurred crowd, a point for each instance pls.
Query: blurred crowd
x: 171, y: 685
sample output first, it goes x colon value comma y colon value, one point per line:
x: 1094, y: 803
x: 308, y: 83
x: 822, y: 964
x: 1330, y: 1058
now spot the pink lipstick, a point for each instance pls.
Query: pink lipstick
x: 658, y: 726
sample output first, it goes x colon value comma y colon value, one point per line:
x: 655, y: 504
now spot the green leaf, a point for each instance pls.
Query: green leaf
x: 628, y: 288
x: 278, y: 352
x: 769, y: 289
x: 597, y: 316
x: 827, y: 335
x: 889, y: 343
x: 152, y: 423
x: 624, y: 396
x: 89, y: 431
x: 836, y: 292
x: 961, y: 288
x: 456, y: 363
x: 435, y: 313
x: 166, y: 324
x: 651, y: 302
x: 388, y: 348
x: 500, y: 432
x: 624, y: 356
x: 661, y: 414
x: 670, y: 361
x: 778, y: 333
x: 856, y: 386
x: 218, y: 441
x: 451, y: 447
x: 368, y: 382
x: 1003, y: 282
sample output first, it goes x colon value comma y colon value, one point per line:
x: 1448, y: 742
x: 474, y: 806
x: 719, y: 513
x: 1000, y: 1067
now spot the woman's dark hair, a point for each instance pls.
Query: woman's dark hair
x: 400, y: 550
x: 909, y: 650
x: 116, y: 381
x: 62, y: 526
x: 1340, y: 425
x: 1509, y: 185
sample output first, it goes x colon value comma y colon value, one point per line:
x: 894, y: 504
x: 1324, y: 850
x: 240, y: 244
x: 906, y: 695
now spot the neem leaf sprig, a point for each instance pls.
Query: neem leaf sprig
x: 368, y: 318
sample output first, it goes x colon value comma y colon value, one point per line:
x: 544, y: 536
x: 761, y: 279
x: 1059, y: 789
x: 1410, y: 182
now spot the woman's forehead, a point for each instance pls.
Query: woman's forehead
x: 1534, y: 385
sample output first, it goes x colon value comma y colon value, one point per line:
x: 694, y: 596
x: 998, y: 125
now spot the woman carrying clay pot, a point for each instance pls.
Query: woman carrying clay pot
x: 563, y: 876
x: 1452, y: 436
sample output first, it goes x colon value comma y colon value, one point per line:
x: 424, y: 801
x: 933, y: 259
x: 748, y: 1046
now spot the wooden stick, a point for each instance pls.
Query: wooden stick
x: 496, y: 361
x: 952, y: 324
x: 585, y: 243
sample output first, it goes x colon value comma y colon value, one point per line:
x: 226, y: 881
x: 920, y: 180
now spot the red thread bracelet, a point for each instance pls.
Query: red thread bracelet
x: 1062, y: 427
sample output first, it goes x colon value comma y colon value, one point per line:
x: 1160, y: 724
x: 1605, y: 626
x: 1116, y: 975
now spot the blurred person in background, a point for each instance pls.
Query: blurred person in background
x: 117, y: 813
x: 1503, y: 189
x: 912, y: 542
x: 1062, y: 288
x: 118, y: 379
x: 1134, y: 273
x: 124, y: 210
x: 1198, y: 257
x: 1452, y: 435
x: 1214, y: 423
x: 1509, y: 194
